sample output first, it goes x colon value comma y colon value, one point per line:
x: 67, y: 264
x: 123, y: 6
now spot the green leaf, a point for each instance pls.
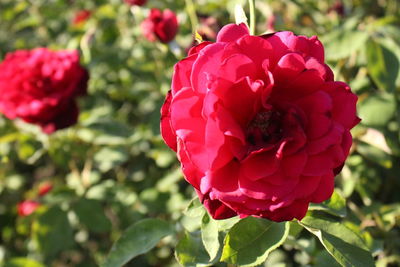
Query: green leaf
x: 52, y: 231
x: 193, y: 215
x: 389, y: 40
x: 336, y: 205
x: 342, y: 243
x: 383, y: 65
x: 210, y: 236
x: 341, y: 43
x: 323, y: 259
x: 190, y: 251
x: 374, y: 154
x: 22, y: 262
x: 194, y: 209
x: 110, y: 157
x: 91, y: 214
x: 105, y: 132
x: 377, y: 110
x: 139, y: 238
x: 250, y: 241
x: 226, y: 224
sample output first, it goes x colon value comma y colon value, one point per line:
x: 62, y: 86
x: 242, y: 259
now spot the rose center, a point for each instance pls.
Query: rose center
x: 265, y: 128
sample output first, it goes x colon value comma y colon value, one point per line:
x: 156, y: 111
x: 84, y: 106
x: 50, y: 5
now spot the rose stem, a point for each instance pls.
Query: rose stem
x: 252, y: 17
x: 191, y: 10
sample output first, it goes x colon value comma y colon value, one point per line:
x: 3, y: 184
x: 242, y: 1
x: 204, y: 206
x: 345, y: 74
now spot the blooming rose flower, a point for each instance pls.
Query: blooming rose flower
x: 81, y: 16
x: 258, y: 123
x: 136, y: 2
x: 27, y: 207
x: 161, y: 25
x: 40, y: 87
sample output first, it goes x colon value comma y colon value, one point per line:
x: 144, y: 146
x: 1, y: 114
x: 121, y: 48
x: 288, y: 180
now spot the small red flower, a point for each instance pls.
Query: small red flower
x: 27, y: 207
x: 81, y: 16
x: 161, y: 25
x: 45, y: 188
x: 40, y: 86
x: 135, y: 2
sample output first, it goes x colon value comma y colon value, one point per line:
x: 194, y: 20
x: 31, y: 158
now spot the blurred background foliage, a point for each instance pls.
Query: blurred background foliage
x: 112, y: 169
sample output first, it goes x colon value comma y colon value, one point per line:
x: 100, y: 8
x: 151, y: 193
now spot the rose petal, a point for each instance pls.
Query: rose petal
x: 167, y: 132
x: 232, y: 32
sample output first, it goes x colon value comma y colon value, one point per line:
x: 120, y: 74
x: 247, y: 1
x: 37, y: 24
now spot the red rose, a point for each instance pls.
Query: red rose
x: 44, y: 188
x: 81, y: 16
x: 40, y: 87
x: 337, y: 7
x: 136, y: 2
x: 258, y: 123
x: 160, y: 25
x: 27, y: 207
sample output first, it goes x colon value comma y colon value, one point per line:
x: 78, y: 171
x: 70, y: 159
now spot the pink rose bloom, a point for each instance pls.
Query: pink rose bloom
x: 27, y: 207
x: 136, y: 2
x: 160, y: 25
x: 258, y: 123
x: 40, y: 86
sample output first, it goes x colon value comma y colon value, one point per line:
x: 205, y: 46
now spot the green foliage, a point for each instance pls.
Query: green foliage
x: 90, y: 213
x: 190, y: 251
x: 52, y: 231
x: 22, y: 262
x: 336, y: 205
x: 137, y: 239
x: 383, y: 65
x: 342, y: 243
x: 210, y: 236
x: 250, y: 241
x: 111, y: 171
x: 343, y: 42
x: 377, y: 110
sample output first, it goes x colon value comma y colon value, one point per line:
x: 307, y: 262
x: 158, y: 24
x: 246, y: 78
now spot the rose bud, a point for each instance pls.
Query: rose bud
x: 40, y: 86
x: 161, y: 25
x: 258, y: 123
x: 27, y: 207
x: 44, y: 188
x: 81, y: 17
x: 337, y: 7
x: 136, y: 2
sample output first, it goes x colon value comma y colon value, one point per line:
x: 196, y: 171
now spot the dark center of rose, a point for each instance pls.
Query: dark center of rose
x: 265, y: 128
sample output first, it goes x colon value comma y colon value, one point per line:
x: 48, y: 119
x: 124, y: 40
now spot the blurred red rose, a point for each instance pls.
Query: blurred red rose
x: 161, y: 25
x: 40, y: 87
x: 81, y: 16
x: 27, y: 207
x: 136, y: 2
x: 258, y: 123
x: 44, y: 188
x: 337, y: 7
